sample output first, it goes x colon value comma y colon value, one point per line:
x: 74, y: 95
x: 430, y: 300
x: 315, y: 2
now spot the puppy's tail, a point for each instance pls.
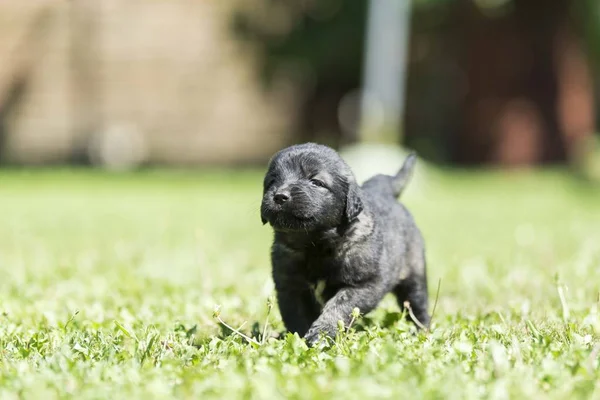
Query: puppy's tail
x: 401, y: 179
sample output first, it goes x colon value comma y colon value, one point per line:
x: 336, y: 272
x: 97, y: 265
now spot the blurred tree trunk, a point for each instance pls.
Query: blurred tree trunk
x: 530, y: 94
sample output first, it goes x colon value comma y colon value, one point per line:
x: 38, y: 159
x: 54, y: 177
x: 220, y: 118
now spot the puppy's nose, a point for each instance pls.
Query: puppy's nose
x: 281, y: 198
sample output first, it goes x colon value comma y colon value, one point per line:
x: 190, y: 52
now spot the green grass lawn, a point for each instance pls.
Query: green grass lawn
x: 108, y: 284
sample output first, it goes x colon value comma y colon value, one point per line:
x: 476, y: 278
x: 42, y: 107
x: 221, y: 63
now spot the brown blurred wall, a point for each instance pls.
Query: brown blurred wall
x: 500, y: 83
x: 165, y: 75
x: 530, y: 92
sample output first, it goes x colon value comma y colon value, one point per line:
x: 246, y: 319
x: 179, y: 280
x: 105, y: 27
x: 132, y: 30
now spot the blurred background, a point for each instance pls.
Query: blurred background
x: 180, y: 82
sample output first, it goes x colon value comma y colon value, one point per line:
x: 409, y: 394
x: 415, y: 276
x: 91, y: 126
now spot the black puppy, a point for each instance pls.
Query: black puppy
x: 339, y: 246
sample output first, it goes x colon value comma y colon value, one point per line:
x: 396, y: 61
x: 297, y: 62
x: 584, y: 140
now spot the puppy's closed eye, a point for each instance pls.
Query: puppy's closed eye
x: 318, y: 183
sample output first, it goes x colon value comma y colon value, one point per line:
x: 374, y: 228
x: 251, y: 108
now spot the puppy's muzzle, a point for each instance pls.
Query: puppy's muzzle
x: 281, y: 207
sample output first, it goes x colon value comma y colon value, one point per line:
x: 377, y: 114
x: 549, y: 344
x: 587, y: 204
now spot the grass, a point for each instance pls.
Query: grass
x: 109, y: 284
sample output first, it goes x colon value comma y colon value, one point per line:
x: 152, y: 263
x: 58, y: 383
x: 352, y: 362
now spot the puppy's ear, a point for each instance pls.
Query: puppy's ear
x: 354, y: 204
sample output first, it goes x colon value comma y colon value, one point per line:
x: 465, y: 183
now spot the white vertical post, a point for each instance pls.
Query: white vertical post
x: 382, y: 103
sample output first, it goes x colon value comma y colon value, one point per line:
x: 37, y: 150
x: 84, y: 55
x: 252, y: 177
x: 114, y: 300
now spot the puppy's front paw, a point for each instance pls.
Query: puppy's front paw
x: 311, y: 338
x: 316, y: 331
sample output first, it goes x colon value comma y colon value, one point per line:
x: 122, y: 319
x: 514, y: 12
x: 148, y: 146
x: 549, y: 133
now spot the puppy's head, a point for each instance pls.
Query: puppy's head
x: 309, y: 188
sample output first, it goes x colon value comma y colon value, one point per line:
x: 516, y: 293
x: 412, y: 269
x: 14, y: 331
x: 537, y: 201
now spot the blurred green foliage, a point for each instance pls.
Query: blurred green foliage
x: 588, y: 11
x: 319, y: 45
x: 323, y: 40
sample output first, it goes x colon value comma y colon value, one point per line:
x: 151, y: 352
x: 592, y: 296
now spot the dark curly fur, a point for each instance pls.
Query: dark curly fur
x: 337, y: 242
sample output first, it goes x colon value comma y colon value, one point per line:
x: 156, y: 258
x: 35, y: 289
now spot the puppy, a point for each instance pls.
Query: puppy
x: 336, y: 245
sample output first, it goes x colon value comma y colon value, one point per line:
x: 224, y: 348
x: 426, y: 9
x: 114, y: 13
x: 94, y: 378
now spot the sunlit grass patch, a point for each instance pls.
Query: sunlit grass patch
x: 109, y: 283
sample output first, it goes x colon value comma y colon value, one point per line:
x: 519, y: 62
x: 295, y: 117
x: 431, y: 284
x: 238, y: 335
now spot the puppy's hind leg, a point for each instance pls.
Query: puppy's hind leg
x: 414, y: 290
